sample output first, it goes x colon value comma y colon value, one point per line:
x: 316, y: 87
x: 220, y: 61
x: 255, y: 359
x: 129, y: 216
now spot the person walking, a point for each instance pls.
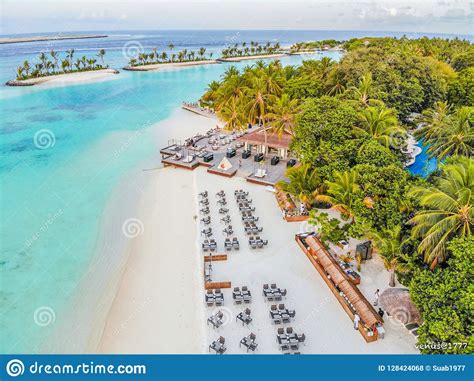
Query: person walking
x: 380, y: 312
x: 356, y: 321
x: 377, y: 295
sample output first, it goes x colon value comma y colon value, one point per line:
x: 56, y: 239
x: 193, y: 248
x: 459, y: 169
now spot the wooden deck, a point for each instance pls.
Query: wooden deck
x: 316, y: 264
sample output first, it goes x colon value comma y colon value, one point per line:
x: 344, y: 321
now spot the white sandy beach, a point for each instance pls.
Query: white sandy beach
x: 159, y: 306
x: 68, y: 79
x: 169, y: 65
x: 258, y: 57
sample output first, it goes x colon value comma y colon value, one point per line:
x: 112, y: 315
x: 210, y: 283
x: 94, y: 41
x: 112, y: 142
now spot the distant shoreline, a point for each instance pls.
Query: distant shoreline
x: 169, y: 64
x: 17, y: 40
x: 254, y: 57
x: 82, y: 76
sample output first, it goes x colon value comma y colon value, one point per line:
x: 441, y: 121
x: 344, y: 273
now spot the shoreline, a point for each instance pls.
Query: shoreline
x: 66, y: 78
x: 161, y: 275
x: 245, y: 58
x: 170, y: 64
x: 18, y: 40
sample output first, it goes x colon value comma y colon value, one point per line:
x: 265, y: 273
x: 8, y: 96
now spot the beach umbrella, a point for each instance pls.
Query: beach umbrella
x: 398, y: 305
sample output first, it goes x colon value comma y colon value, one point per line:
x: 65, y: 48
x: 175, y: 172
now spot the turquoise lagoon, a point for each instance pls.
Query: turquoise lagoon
x: 64, y: 151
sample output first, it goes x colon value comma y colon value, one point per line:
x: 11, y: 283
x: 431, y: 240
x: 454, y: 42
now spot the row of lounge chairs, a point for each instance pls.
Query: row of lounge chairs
x: 243, y: 295
x: 214, y: 297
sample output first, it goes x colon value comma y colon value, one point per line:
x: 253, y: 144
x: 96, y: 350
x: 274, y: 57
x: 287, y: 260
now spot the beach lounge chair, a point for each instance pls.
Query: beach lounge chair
x: 204, y: 202
x: 225, y: 219
x: 203, y: 194
x: 235, y: 243
x: 265, y: 289
x: 205, y: 210
x: 222, y: 201
x: 223, y: 210
x: 273, y: 286
x: 283, y: 292
x: 221, y: 193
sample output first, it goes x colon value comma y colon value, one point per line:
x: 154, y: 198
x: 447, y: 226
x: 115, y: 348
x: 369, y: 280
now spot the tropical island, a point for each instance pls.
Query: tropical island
x: 155, y: 60
x: 54, y: 67
x: 251, y: 51
x: 312, y: 46
x: 350, y: 123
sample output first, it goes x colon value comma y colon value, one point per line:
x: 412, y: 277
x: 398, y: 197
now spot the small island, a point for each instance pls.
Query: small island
x: 251, y: 51
x: 53, y: 67
x: 316, y: 46
x: 17, y: 40
x: 155, y: 60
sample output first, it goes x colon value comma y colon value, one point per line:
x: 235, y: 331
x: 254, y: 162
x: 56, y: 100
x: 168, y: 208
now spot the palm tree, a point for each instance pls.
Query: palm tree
x: 171, y: 46
x: 365, y: 92
x: 258, y: 103
x: 230, y: 89
x: 211, y: 92
x: 273, y: 79
x: 42, y: 57
x: 432, y: 121
x: 19, y: 72
x: 54, y: 56
x: 342, y: 192
x: 456, y: 138
x: 164, y: 56
x: 447, y: 209
x: 201, y: 53
x: 231, y: 114
x: 101, y: 55
x: 70, y: 56
x: 389, y: 245
x: 304, y: 183
x: 26, y: 67
x: 381, y: 124
x: 65, y: 64
x: 282, y: 115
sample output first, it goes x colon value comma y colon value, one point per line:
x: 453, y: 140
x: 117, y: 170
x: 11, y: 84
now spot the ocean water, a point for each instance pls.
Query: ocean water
x: 64, y: 150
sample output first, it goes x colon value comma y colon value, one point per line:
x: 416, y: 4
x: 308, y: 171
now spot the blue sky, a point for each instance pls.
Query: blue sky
x: 430, y: 16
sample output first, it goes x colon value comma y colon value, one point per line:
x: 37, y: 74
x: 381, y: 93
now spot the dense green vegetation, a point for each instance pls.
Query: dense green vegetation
x: 54, y: 64
x: 155, y: 57
x: 350, y: 122
x: 315, y: 45
x: 251, y: 49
